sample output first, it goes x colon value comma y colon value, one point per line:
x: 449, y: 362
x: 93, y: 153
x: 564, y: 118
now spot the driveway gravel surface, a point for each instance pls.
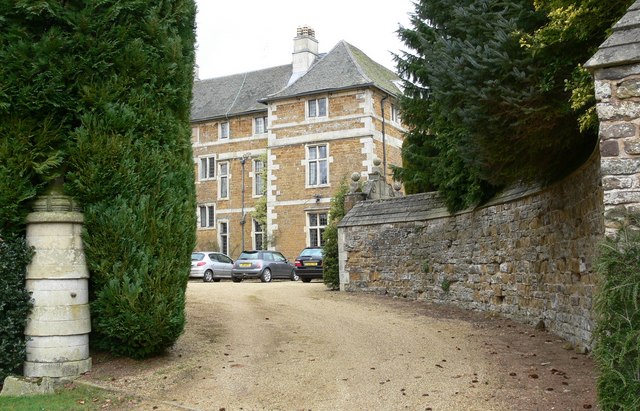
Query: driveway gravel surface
x: 292, y: 346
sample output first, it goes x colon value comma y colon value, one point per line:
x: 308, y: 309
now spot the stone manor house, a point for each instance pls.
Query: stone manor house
x: 289, y: 134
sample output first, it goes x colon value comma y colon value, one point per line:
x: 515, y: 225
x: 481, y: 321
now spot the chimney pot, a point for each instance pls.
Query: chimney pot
x: 305, y: 51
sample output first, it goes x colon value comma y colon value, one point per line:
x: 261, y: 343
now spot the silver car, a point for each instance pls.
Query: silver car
x: 210, y: 266
x: 264, y: 265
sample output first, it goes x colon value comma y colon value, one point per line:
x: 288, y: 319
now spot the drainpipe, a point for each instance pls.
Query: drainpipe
x: 384, y: 144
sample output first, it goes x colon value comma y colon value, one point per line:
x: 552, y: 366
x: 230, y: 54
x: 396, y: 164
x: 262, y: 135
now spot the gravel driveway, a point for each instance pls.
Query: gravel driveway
x: 293, y: 346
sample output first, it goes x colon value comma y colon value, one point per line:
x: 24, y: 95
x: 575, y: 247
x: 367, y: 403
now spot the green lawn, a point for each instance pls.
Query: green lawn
x: 70, y: 397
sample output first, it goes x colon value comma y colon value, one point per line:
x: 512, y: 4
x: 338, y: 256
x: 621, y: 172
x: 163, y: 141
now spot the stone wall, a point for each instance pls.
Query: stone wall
x: 528, y: 255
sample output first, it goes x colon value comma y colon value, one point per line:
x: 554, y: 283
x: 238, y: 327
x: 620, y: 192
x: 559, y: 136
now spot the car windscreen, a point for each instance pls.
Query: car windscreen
x: 248, y: 256
x: 197, y: 256
x: 311, y: 252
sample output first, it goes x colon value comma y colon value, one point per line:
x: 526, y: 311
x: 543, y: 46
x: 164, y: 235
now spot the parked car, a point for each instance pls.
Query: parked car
x: 309, y: 264
x: 262, y: 264
x: 210, y: 266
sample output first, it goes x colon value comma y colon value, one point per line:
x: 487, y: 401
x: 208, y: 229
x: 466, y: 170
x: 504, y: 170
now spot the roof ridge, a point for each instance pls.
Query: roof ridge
x: 242, y: 73
x: 355, y: 60
x: 319, y: 58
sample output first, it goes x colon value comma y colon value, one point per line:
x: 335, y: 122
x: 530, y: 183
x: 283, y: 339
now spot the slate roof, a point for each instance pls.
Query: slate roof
x: 237, y: 93
x: 420, y: 207
x: 415, y: 207
x: 623, y: 46
x: 344, y: 67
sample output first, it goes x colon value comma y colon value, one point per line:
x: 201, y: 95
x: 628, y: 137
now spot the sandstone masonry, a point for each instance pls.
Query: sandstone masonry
x: 528, y: 255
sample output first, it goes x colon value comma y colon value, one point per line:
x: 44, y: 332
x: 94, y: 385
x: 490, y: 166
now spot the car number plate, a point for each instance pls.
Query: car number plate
x: 310, y: 264
x: 244, y: 265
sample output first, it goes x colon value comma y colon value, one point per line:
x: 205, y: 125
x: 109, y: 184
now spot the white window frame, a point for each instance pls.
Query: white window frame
x: 318, y: 229
x: 257, y: 179
x: 209, y: 220
x: 206, y: 168
x: 316, y: 112
x: 254, y: 235
x: 224, y: 180
x: 195, y: 134
x: 223, y: 234
x: 395, y: 114
x: 265, y: 124
x: 222, y: 127
x: 316, y: 164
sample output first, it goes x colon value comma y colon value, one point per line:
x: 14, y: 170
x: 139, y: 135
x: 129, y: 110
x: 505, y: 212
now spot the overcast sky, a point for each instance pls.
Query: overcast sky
x: 235, y: 36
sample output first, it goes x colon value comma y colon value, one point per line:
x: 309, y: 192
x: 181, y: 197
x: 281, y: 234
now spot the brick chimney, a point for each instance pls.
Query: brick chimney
x: 305, y: 51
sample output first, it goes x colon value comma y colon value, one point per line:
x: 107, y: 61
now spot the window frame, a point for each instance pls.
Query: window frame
x: 257, y: 178
x: 318, y: 229
x: 222, y: 135
x: 224, y: 180
x: 315, y: 113
x: 206, y: 172
x: 395, y: 114
x: 223, y: 234
x: 265, y: 125
x: 255, y: 233
x: 209, y: 216
x: 316, y: 164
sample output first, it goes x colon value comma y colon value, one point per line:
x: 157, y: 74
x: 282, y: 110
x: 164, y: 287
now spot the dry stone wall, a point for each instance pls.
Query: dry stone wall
x: 528, y: 255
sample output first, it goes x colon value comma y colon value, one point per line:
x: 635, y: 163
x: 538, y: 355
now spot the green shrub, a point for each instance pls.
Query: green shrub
x: 15, y: 303
x: 617, y: 334
x: 98, y: 92
x: 331, y: 271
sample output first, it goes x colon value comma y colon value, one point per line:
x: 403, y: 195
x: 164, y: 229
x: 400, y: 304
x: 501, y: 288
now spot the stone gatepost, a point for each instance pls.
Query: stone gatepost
x: 58, y: 328
x: 616, y: 68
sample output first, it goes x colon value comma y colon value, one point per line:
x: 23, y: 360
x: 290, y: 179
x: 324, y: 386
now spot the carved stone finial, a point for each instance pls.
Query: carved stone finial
x: 397, y: 185
x: 377, y: 162
x: 355, y: 176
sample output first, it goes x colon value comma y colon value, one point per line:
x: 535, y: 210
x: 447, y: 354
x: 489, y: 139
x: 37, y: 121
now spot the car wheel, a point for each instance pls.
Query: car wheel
x: 266, y: 276
x: 236, y: 279
x: 208, y: 276
x: 294, y: 276
x: 306, y: 280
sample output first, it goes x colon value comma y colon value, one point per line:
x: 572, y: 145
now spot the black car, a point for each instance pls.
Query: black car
x: 262, y: 264
x: 309, y: 264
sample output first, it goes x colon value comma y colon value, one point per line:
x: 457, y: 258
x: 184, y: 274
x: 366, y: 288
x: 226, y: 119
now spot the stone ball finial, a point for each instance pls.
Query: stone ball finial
x: 377, y: 162
x: 397, y: 185
x: 355, y: 176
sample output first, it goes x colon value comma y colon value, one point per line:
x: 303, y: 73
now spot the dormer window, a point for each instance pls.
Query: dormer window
x: 317, y: 107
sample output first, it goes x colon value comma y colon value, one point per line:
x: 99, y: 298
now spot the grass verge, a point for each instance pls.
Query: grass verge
x: 69, y: 397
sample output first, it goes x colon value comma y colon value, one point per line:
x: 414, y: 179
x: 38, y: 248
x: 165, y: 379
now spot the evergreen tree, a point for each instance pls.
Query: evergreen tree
x: 101, y: 89
x: 488, y: 102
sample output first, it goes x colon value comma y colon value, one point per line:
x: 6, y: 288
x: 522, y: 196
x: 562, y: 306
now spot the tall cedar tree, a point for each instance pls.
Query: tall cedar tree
x: 488, y: 101
x: 98, y: 92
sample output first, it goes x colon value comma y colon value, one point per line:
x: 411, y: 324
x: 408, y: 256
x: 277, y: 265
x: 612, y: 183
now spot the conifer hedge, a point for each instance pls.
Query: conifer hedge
x: 98, y: 92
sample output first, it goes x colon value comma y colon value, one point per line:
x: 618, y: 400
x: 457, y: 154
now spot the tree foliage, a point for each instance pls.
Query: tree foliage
x: 98, y: 92
x: 15, y: 303
x: 330, y: 261
x: 494, y: 95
